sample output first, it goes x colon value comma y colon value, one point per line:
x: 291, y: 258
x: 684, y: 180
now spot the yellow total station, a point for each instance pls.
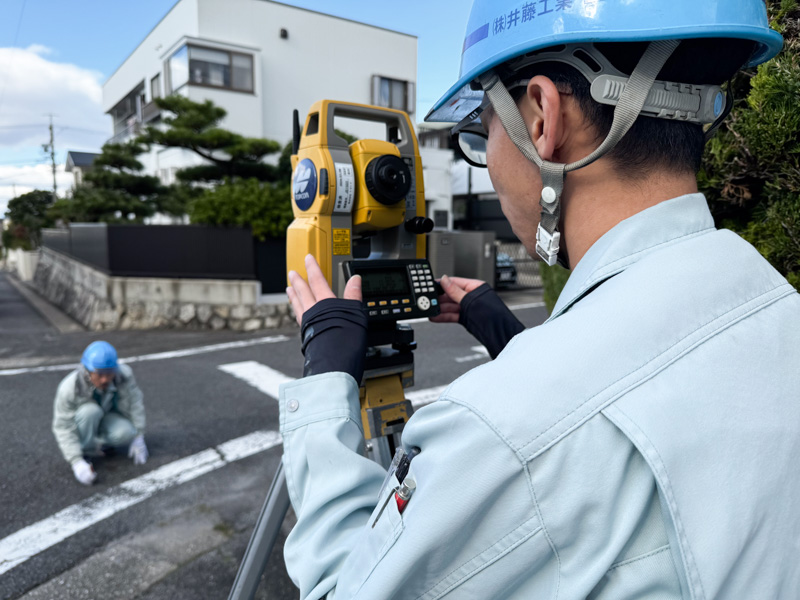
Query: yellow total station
x: 367, y: 196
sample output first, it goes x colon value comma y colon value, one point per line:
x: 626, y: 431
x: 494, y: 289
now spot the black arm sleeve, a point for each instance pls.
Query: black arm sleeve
x: 334, y: 337
x: 487, y: 318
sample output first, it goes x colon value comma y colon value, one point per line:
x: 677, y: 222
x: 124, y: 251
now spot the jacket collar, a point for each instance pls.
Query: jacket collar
x: 630, y: 240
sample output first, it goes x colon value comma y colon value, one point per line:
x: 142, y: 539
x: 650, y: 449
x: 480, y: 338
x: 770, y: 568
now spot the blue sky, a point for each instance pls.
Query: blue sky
x: 55, y: 55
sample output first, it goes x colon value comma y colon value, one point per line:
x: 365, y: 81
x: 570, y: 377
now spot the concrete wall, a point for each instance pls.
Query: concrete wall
x: 101, y: 302
x: 23, y: 262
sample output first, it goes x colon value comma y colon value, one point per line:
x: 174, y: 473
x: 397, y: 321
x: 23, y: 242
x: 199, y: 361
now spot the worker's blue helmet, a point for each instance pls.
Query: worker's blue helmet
x: 498, y: 31
x: 99, y: 355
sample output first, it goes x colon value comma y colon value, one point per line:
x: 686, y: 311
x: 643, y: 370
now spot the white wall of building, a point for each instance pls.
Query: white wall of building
x: 323, y: 57
x: 147, y: 60
x: 436, y: 171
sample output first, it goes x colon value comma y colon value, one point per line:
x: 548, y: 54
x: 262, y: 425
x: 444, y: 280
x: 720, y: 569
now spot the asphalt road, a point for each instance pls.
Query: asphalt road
x: 184, y: 540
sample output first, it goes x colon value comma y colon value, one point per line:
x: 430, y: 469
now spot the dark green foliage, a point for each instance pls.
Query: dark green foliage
x: 28, y: 214
x: 751, y: 170
x: 114, y: 190
x: 553, y: 281
x: 195, y: 126
x: 264, y: 206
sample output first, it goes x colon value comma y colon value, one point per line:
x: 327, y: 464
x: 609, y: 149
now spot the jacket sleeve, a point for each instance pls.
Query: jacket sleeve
x: 458, y: 531
x: 64, y: 427
x: 131, y: 401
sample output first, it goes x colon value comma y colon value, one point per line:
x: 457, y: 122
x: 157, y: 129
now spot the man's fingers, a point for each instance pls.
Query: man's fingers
x: 449, y: 307
x: 352, y: 291
x: 444, y: 317
x: 453, y: 289
x: 316, y: 280
x: 296, y: 306
x: 304, y: 294
x: 466, y: 284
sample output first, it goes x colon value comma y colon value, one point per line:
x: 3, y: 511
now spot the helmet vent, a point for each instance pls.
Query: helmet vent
x: 587, y: 59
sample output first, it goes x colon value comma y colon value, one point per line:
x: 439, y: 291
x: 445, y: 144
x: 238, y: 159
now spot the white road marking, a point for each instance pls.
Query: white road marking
x: 268, y: 381
x: 273, y: 339
x: 259, y: 376
x: 514, y: 307
x: 528, y: 305
x: 36, y: 538
x: 481, y: 353
x: 420, y: 398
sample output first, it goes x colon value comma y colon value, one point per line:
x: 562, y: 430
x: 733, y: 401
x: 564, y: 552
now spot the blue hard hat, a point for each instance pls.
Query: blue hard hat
x: 501, y: 30
x: 99, y: 355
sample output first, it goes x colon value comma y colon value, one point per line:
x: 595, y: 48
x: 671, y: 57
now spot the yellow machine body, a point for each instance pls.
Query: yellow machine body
x: 331, y: 203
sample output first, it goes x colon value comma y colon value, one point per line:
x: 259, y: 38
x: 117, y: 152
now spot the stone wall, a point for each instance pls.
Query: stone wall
x: 101, y: 302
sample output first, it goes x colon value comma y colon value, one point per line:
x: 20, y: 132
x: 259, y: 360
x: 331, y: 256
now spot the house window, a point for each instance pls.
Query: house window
x: 210, y: 67
x: 393, y: 93
x: 155, y: 87
x: 178, y: 66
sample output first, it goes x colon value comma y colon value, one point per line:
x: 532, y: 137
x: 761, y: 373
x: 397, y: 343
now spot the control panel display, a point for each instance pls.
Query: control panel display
x: 396, y: 289
x: 389, y: 282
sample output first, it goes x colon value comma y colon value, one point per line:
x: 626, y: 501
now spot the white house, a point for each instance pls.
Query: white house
x: 259, y: 60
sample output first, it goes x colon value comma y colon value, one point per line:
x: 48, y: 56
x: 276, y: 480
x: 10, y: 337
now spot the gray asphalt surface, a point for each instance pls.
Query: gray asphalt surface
x: 191, y: 406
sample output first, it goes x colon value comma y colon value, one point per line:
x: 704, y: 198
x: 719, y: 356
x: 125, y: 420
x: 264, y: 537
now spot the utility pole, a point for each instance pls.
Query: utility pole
x: 53, y: 159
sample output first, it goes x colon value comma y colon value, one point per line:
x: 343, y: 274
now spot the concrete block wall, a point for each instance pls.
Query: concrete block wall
x: 101, y: 302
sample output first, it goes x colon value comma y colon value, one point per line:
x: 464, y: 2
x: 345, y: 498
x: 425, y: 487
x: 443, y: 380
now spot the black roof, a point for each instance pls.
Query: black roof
x: 80, y: 159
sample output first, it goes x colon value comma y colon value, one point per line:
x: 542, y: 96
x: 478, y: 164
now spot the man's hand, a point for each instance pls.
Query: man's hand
x: 480, y: 310
x: 138, y: 450
x: 455, y: 288
x: 84, y: 472
x: 304, y: 295
x: 333, y: 331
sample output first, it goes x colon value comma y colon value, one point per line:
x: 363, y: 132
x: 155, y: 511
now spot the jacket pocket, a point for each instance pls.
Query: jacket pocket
x: 372, y: 545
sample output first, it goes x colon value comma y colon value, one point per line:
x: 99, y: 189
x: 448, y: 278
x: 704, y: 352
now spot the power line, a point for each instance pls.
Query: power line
x: 22, y: 161
x: 16, y: 36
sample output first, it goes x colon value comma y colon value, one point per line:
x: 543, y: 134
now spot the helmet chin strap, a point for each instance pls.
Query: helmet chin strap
x: 629, y: 106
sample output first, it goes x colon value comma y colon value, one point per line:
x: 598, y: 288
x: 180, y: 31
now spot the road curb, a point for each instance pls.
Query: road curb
x: 58, y: 319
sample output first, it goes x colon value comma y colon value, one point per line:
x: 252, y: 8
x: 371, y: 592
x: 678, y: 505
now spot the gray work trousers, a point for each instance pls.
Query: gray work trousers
x: 97, y: 429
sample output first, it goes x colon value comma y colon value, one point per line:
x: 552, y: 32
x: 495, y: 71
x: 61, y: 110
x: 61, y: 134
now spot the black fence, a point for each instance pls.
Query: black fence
x: 173, y: 251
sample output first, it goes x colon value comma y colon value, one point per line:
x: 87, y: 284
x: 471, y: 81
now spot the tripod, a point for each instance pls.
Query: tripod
x: 388, y: 369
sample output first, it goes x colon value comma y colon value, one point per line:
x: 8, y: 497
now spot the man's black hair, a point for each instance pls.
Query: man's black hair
x: 652, y: 144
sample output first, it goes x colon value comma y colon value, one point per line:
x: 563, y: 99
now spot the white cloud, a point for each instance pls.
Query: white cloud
x: 28, y: 178
x: 31, y: 88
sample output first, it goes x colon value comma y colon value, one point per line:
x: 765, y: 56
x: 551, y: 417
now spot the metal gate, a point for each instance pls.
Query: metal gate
x: 527, y: 268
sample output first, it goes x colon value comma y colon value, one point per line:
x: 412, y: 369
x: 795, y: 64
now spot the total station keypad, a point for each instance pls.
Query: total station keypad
x: 422, y: 280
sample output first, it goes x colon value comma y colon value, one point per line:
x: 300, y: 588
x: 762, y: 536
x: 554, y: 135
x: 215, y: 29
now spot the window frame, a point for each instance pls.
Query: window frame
x: 409, y: 88
x: 155, y: 79
x: 230, y: 53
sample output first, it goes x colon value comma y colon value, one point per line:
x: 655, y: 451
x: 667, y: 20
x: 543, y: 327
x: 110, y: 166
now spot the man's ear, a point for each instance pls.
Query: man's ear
x: 542, y: 112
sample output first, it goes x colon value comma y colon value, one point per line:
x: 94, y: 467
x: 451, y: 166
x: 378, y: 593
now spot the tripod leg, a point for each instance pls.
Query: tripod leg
x: 263, y: 539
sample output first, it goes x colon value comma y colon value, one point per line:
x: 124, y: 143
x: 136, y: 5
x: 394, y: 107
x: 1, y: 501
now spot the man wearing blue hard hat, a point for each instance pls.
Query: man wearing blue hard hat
x: 98, y: 407
x: 644, y: 442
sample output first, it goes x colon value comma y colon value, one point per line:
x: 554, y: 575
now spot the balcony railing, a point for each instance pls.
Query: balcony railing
x: 150, y: 111
x: 124, y: 135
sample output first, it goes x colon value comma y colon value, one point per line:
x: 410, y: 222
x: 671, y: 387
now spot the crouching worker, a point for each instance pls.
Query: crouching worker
x: 98, y: 407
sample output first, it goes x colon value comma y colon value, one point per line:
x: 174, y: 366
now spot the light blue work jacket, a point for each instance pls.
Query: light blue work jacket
x: 643, y: 443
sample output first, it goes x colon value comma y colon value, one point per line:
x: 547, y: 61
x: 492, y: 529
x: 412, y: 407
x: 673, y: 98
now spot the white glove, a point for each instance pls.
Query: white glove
x: 84, y: 472
x: 138, y: 451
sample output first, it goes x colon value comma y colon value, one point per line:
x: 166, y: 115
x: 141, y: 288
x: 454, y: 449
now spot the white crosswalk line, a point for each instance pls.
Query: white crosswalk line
x: 269, y: 380
x: 272, y: 339
x: 261, y: 377
x: 30, y: 541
